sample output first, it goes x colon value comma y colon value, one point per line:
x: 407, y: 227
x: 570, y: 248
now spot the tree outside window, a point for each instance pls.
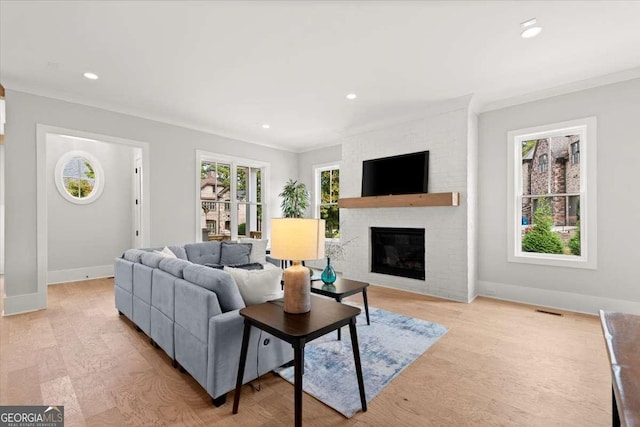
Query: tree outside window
x: 329, y: 192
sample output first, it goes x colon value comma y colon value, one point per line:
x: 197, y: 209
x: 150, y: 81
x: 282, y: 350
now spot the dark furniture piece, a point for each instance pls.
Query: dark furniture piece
x: 340, y: 289
x: 622, y: 336
x: 298, y: 329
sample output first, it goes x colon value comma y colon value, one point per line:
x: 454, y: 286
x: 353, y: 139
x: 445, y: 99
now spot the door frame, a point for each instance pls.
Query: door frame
x: 42, y: 131
x: 138, y: 206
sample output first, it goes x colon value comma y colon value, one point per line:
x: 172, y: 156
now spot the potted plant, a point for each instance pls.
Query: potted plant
x: 295, y: 199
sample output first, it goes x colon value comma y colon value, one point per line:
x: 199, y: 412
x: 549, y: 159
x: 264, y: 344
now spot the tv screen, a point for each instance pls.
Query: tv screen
x: 404, y: 174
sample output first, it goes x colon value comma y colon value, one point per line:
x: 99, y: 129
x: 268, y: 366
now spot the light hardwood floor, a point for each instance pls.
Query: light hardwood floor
x: 500, y: 364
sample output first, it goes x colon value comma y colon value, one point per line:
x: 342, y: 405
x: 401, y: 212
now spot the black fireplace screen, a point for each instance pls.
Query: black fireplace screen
x: 398, y: 252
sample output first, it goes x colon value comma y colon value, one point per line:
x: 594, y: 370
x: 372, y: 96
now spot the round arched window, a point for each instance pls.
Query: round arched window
x: 79, y: 177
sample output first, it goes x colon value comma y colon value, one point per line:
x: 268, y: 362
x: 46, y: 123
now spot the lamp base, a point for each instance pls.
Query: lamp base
x: 297, y: 289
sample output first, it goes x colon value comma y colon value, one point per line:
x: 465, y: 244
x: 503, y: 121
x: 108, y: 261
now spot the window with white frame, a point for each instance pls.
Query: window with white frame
x: 552, y: 194
x: 230, y: 197
x: 327, y: 192
x: 79, y: 177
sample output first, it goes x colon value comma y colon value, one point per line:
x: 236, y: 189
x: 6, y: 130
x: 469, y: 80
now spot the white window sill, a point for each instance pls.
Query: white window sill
x: 553, y: 260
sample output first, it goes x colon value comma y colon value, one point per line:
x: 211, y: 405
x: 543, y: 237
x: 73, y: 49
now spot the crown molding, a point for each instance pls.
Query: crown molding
x: 603, y: 80
x: 116, y: 108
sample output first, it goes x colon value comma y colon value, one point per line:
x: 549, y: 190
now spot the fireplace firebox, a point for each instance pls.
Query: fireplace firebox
x: 398, y: 252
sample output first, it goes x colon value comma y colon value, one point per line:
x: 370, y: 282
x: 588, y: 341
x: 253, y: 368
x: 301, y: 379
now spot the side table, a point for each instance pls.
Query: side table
x: 298, y: 329
x: 340, y: 289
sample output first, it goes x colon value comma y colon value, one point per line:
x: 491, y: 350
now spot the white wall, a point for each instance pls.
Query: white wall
x: 171, y: 172
x: 614, y: 284
x: 2, y: 191
x: 82, y: 239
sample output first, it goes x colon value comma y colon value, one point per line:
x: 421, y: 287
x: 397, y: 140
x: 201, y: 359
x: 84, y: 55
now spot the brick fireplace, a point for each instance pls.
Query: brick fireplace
x: 449, y: 132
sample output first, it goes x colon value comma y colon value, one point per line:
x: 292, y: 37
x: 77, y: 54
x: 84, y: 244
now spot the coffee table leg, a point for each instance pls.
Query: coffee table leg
x: 243, y: 360
x: 615, y: 415
x: 366, y: 304
x: 356, y: 358
x: 298, y: 364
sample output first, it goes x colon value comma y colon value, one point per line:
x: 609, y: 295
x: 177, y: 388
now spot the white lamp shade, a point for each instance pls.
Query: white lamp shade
x: 297, y: 239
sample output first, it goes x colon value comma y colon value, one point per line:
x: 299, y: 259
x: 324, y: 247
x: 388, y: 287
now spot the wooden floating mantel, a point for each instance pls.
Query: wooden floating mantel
x: 401, y: 200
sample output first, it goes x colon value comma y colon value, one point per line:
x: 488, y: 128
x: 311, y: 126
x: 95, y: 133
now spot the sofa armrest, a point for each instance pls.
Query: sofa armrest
x: 265, y: 353
x: 225, y: 341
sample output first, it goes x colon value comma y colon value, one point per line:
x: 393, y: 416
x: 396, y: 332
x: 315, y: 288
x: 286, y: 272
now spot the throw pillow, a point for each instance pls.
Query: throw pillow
x: 251, y: 266
x: 234, y: 253
x: 216, y: 266
x: 258, y: 249
x: 166, y: 252
x: 258, y: 286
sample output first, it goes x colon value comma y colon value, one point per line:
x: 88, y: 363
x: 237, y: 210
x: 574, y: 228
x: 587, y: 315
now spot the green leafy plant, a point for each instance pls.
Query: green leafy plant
x: 541, y: 239
x: 242, y: 229
x: 574, y: 242
x: 79, y: 188
x: 295, y: 199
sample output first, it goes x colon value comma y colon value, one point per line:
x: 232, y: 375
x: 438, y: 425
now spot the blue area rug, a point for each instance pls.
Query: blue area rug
x: 390, y: 344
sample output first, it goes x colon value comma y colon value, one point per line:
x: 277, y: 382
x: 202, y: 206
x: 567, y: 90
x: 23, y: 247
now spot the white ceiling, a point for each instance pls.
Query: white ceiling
x: 229, y: 67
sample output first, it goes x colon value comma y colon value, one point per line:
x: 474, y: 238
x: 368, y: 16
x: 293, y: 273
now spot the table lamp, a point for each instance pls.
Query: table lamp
x: 297, y: 239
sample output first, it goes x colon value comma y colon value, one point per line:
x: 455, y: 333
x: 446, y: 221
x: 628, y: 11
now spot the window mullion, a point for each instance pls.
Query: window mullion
x: 233, y: 203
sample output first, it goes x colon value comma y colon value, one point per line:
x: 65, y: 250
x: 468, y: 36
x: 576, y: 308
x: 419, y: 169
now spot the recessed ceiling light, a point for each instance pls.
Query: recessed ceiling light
x: 530, y: 29
x: 91, y: 76
x: 352, y: 96
x: 266, y: 126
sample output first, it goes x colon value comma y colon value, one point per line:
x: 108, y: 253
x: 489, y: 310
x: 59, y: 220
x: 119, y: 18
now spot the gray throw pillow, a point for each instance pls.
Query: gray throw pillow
x: 178, y: 251
x: 235, y: 253
x: 251, y: 266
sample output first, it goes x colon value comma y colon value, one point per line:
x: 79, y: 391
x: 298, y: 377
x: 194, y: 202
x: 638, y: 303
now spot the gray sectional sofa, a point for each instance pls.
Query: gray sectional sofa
x: 190, y: 311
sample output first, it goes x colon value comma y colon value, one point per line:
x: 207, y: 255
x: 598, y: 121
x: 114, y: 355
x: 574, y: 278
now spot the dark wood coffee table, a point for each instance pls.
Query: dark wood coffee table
x: 298, y: 329
x: 341, y: 289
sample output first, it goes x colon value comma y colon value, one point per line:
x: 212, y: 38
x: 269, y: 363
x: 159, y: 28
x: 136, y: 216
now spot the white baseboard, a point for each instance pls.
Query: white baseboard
x: 76, y: 274
x: 556, y: 299
x: 23, y: 303
x: 448, y: 298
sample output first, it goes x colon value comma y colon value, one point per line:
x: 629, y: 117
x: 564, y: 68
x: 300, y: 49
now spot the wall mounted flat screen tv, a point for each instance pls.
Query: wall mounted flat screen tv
x: 404, y: 174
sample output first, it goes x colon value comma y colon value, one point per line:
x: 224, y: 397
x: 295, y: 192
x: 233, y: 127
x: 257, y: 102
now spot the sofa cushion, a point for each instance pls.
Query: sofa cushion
x: 258, y: 249
x: 217, y: 281
x: 133, y: 255
x: 203, y: 253
x: 151, y: 259
x: 179, y: 251
x: 174, y: 266
x: 234, y: 253
x: 258, y: 286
